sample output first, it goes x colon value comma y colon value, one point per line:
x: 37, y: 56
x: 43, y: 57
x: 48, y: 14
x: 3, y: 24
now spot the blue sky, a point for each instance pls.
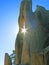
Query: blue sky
x: 9, y: 12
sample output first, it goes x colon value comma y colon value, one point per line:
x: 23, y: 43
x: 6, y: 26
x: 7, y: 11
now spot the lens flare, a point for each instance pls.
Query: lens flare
x: 24, y: 30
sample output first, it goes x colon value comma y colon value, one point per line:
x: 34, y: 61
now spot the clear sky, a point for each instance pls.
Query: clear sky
x: 9, y: 12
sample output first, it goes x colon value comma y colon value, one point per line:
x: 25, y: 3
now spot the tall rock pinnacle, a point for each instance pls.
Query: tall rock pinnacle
x: 29, y: 47
x: 33, y: 36
x: 7, y: 60
x: 25, y: 8
x: 27, y: 5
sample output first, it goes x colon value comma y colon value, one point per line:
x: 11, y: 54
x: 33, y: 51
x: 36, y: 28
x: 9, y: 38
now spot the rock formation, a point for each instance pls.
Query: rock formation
x: 29, y: 48
x: 7, y: 60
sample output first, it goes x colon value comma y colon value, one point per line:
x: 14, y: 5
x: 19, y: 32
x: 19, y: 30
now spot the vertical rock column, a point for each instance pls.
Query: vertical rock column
x: 7, y: 59
x: 26, y: 6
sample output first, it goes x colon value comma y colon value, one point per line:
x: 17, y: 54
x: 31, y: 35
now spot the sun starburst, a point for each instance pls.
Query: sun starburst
x: 24, y: 30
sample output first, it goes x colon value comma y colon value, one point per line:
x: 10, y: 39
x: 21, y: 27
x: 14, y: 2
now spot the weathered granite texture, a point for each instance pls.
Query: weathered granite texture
x: 7, y: 60
x: 29, y: 48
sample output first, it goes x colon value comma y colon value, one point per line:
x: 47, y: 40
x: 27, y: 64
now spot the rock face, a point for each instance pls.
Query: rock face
x: 29, y: 48
x: 7, y: 60
x: 47, y: 58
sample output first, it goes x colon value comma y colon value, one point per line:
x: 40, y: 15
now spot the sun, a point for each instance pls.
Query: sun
x: 24, y: 30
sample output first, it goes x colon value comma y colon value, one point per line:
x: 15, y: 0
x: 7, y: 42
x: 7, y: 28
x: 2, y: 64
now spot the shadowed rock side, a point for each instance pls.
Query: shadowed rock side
x: 7, y: 60
x: 29, y: 48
